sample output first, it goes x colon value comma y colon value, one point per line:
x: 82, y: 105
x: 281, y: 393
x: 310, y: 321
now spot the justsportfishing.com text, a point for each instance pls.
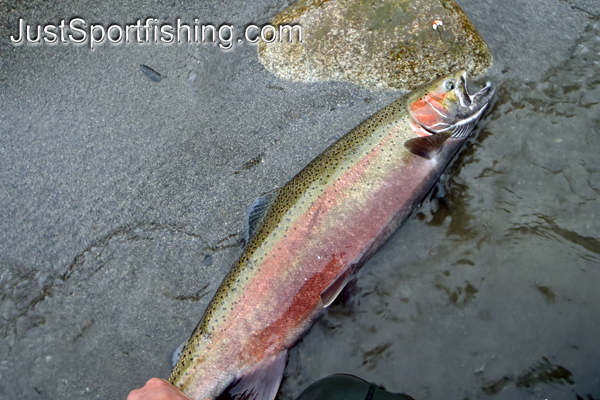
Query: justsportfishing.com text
x: 151, y: 31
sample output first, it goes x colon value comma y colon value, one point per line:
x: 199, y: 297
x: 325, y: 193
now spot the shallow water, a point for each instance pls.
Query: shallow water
x: 122, y: 202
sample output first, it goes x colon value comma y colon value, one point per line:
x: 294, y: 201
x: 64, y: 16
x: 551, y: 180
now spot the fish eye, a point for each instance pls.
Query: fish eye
x: 449, y: 85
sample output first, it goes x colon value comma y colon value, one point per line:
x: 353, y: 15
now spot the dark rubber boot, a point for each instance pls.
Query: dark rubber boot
x: 347, y: 387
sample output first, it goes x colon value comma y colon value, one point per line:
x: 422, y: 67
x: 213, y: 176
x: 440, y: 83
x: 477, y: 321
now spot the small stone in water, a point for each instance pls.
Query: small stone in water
x: 151, y: 74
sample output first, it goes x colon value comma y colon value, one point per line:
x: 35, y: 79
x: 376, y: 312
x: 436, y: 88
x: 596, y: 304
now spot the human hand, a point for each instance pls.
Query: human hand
x: 157, y: 389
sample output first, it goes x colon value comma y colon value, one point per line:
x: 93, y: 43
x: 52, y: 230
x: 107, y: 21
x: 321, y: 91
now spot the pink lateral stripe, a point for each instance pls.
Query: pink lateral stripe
x: 325, y: 263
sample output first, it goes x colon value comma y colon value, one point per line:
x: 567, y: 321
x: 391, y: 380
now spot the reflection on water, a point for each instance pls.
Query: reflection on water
x: 491, y: 289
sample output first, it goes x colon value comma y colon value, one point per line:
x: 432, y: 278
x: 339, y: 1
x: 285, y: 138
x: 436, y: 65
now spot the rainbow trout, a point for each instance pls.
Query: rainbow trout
x: 306, y: 238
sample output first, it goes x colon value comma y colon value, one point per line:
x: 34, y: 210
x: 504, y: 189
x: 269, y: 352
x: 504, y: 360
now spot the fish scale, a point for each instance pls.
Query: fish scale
x: 312, y: 233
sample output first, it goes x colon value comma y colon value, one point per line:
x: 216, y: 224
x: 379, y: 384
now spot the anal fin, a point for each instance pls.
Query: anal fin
x: 262, y: 381
x: 332, y: 292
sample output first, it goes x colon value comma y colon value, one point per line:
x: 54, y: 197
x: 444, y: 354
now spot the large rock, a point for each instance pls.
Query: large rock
x: 375, y: 43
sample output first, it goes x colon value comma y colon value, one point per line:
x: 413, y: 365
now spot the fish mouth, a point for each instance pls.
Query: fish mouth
x: 476, y: 101
x: 462, y: 91
x: 470, y: 107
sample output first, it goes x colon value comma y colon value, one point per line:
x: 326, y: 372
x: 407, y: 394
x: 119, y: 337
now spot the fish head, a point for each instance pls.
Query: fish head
x: 446, y: 105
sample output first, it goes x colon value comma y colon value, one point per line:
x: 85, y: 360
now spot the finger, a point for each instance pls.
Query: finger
x: 134, y: 394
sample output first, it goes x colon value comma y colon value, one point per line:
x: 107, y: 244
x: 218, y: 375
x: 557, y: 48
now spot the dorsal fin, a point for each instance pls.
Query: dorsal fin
x: 257, y: 211
x: 427, y: 146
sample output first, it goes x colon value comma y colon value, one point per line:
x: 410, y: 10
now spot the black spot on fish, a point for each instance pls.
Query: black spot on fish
x: 151, y: 74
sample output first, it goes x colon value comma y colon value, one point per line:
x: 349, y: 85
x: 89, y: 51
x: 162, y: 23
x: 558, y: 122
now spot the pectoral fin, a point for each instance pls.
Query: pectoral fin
x: 427, y: 146
x: 262, y: 381
x: 332, y: 292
